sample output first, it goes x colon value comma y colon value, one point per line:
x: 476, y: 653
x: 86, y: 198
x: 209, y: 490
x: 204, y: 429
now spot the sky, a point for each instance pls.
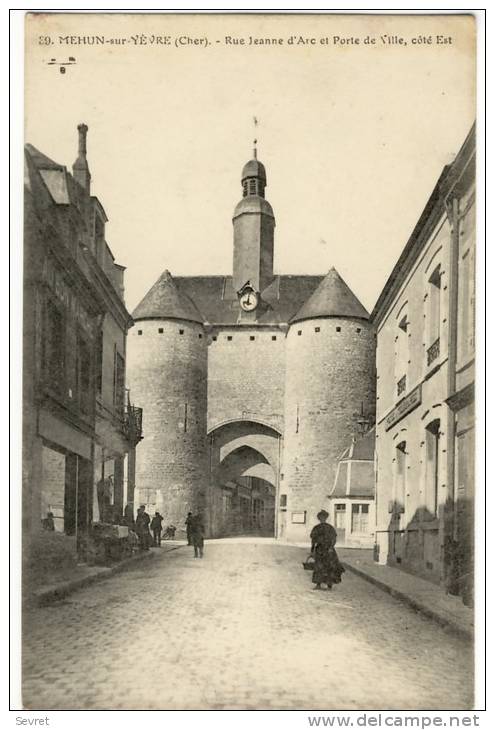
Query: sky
x: 353, y: 135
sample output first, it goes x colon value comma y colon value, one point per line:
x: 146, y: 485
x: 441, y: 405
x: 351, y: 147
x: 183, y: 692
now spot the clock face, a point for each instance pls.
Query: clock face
x: 249, y: 300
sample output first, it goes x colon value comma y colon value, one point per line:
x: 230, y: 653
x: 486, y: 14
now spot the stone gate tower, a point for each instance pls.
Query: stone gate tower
x: 251, y: 384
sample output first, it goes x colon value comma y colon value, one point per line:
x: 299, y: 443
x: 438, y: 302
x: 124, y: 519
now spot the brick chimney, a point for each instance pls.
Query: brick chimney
x: 80, y: 169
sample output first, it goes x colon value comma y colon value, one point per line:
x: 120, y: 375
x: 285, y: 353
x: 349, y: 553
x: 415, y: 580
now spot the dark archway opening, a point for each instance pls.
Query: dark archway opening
x: 245, y: 495
x: 250, y: 507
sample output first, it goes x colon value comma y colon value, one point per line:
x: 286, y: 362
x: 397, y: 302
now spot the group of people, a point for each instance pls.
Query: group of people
x: 327, y: 567
x: 143, y: 526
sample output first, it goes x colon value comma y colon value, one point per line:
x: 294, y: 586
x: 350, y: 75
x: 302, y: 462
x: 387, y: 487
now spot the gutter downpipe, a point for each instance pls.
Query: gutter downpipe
x: 449, y: 521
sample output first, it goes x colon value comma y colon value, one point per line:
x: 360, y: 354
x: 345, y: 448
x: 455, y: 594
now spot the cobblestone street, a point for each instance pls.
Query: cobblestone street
x: 240, y: 629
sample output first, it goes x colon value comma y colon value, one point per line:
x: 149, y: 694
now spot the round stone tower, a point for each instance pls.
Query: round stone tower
x: 167, y: 375
x: 330, y: 382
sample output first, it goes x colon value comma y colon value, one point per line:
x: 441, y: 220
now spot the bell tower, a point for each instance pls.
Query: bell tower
x: 254, y: 225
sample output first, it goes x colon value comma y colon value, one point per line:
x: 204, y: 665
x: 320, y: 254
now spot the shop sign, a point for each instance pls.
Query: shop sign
x: 408, y: 404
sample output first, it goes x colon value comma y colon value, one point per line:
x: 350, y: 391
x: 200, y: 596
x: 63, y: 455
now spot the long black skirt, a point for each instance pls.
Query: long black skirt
x: 328, y: 568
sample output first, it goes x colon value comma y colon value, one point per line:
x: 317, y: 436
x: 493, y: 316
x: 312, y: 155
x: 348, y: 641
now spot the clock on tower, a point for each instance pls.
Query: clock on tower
x: 248, y: 298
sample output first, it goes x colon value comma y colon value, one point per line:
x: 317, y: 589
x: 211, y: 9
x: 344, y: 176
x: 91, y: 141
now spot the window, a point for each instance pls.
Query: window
x: 299, y: 332
x: 54, y: 346
x: 160, y: 330
x: 252, y: 187
x: 99, y: 240
x: 466, y: 305
x: 400, y: 477
x: 214, y: 338
x: 119, y: 382
x: 227, y: 502
x: 229, y: 338
x: 338, y: 329
x: 257, y: 510
x: 252, y: 338
x: 140, y: 332
x: 340, y: 516
x: 283, y: 500
x: 401, y: 355
x: 200, y: 336
x: 358, y: 330
x: 99, y: 362
x: 433, y: 315
x: 181, y: 332
x: 244, y: 189
x: 432, y: 441
x: 359, y: 521
x: 317, y: 329
x: 274, y: 337
x: 83, y: 375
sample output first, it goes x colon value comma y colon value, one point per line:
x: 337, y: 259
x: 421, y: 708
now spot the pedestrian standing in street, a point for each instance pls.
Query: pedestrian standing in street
x: 327, y: 566
x: 156, y: 526
x: 188, y: 524
x: 197, y: 535
x: 143, y: 528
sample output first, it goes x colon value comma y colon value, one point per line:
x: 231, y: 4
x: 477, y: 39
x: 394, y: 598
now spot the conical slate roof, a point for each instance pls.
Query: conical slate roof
x: 165, y: 301
x: 332, y: 298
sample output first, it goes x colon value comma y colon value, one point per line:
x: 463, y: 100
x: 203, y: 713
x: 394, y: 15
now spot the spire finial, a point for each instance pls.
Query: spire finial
x: 255, y: 151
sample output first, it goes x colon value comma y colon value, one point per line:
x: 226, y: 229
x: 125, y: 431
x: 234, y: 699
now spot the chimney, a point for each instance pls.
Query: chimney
x: 80, y: 169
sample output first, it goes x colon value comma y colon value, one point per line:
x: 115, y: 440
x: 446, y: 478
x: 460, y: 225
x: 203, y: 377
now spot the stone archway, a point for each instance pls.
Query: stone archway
x: 244, y: 472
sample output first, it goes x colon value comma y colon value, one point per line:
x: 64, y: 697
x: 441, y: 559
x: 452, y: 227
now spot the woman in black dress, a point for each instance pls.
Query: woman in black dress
x: 327, y: 566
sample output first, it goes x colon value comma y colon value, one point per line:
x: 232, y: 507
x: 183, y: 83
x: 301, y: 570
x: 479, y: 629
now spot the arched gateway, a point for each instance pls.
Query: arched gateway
x: 244, y: 478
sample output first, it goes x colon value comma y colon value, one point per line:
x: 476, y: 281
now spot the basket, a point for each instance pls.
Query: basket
x: 309, y: 563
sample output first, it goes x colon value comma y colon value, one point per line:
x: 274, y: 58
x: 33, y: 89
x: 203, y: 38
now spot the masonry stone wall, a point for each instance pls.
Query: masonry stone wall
x: 246, y: 375
x: 167, y: 374
x: 330, y: 376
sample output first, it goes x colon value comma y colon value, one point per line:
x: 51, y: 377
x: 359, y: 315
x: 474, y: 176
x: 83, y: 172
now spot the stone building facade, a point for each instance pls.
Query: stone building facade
x: 244, y: 380
x: 425, y: 365
x: 79, y: 428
